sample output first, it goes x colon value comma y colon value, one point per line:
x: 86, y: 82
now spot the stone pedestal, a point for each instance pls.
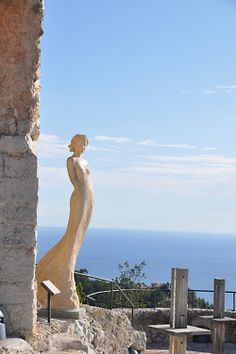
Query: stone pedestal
x: 76, y: 314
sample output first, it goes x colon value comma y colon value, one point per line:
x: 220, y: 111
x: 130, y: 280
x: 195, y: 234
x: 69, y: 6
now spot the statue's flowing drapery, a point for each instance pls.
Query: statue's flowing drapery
x: 58, y: 264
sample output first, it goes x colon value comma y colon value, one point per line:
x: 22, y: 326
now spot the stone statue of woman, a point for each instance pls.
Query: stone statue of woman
x: 58, y: 264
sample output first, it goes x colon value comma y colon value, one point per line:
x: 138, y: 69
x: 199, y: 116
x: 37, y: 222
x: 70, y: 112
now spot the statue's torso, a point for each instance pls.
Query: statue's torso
x: 79, y: 173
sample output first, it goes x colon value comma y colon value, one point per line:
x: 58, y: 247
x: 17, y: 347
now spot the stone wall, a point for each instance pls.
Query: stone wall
x: 20, y: 31
x: 145, y: 317
x: 98, y: 331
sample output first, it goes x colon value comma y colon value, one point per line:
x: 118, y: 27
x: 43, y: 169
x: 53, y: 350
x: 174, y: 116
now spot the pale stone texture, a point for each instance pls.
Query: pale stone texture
x: 58, y: 265
x: 20, y: 31
x: 100, y: 332
x: 15, y: 345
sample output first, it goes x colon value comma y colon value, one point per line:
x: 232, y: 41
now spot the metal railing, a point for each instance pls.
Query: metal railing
x: 158, y: 291
x: 111, y: 291
x: 94, y: 297
x: 136, y: 290
x: 231, y: 292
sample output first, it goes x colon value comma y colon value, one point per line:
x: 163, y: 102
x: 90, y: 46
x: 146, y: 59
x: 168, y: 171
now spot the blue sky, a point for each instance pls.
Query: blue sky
x: 153, y: 85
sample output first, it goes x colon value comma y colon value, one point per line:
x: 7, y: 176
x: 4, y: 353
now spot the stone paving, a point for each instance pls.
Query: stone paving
x: 197, y: 348
x: 159, y: 351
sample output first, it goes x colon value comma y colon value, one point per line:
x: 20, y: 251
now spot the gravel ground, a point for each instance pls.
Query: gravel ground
x: 197, y: 348
x: 167, y: 352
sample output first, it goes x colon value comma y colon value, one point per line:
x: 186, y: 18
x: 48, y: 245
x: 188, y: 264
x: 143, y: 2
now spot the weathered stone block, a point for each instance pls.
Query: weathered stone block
x: 17, y: 292
x: 18, y: 318
x: 22, y: 214
x: 14, y: 145
x: 15, y: 264
x: 17, y: 235
x: 20, y: 167
x: 15, y: 346
x: 2, y: 216
x: 1, y: 166
x: 19, y: 190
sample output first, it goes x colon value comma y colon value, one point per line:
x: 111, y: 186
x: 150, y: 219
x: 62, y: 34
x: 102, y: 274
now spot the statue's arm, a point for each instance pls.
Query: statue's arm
x: 71, y: 172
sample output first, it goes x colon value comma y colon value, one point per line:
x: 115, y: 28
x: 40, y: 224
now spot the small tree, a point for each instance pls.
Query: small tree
x: 131, y: 277
x: 81, y: 284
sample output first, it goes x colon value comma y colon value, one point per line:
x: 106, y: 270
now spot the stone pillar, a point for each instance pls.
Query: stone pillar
x: 20, y: 31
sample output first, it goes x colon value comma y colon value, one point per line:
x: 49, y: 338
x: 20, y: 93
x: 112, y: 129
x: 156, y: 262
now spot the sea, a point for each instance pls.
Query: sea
x: 207, y: 256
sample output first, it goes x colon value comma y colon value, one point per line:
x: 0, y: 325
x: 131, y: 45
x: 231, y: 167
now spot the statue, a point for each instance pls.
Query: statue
x: 58, y: 265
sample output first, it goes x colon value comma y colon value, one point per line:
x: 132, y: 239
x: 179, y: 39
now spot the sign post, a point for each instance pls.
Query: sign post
x: 51, y: 290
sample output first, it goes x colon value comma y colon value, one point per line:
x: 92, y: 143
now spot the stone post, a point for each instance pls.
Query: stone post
x: 178, y: 330
x: 20, y: 31
x: 218, y: 328
x: 179, y: 309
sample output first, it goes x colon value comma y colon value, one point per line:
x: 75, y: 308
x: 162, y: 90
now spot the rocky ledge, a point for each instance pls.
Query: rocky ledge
x: 99, y: 332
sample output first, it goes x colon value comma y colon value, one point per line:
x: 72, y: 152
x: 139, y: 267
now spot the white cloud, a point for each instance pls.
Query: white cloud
x: 148, y: 142
x: 52, y: 146
x: 204, y: 165
x: 208, y: 92
x: 172, y: 173
x: 187, y: 91
x: 100, y: 149
x: 208, y: 148
x: 152, y: 143
x: 200, y: 165
x: 209, y: 159
x: 211, y: 91
x: 118, y: 140
x: 230, y: 119
x: 176, y: 169
x: 53, y: 177
x: 226, y: 87
x: 191, y: 192
x: 49, y: 138
x: 178, y: 146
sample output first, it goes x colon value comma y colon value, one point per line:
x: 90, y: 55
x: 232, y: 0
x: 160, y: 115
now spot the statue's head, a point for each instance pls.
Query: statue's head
x: 78, y: 143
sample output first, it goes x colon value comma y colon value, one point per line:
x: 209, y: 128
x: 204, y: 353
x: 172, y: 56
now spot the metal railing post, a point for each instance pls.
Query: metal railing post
x: 132, y: 316
x: 111, y: 296
x: 155, y: 299
x: 122, y: 300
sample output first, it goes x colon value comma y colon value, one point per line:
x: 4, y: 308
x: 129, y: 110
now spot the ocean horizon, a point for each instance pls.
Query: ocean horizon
x: 207, y: 256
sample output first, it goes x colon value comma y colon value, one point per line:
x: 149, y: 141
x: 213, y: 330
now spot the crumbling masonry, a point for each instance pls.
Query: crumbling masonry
x: 20, y: 31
